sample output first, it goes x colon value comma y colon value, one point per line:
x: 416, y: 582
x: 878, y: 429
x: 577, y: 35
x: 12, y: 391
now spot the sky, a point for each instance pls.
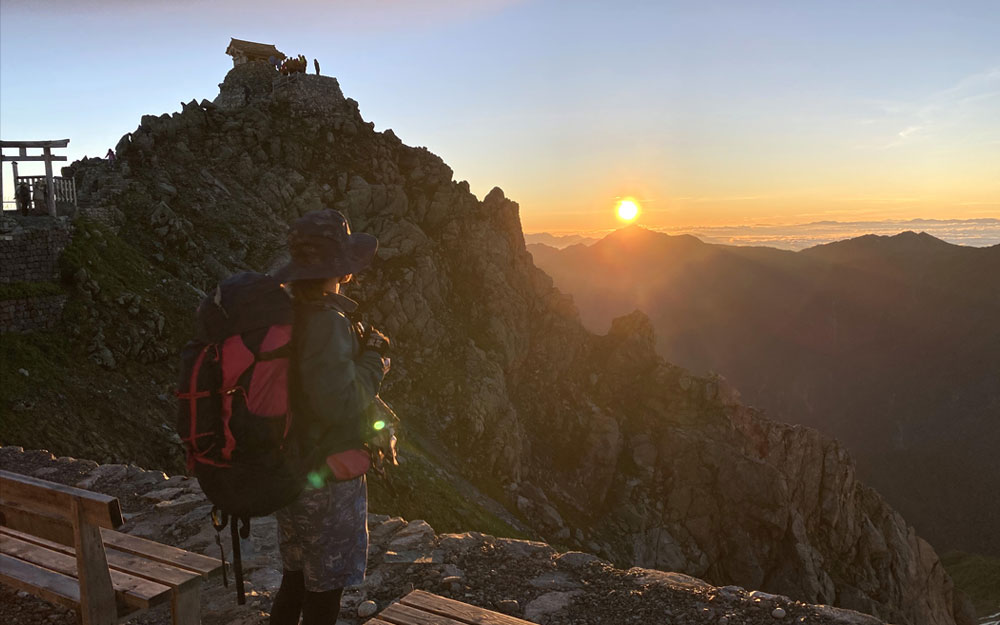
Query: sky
x: 709, y: 114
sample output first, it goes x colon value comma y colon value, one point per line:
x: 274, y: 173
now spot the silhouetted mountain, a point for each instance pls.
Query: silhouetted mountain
x: 892, y: 344
x: 559, y: 241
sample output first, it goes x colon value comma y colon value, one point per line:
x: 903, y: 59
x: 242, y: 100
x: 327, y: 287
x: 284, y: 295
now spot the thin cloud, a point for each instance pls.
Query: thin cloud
x: 731, y: 198
x: 964, y: 110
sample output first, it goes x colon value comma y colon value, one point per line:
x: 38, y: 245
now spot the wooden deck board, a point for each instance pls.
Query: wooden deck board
x: 423, y: 608
x: 399, y: 614
x: 469, y: 614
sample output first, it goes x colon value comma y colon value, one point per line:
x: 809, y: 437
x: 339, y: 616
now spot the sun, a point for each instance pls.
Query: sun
x: 627, y: 210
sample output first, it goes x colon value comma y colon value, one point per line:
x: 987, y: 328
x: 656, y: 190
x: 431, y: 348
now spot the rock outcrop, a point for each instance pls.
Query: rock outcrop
x: 889, y: 344
x: 527, y: 579
x: 593, y: 440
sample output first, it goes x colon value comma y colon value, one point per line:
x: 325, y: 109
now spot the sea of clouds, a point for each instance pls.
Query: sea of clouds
x: 971, y: 232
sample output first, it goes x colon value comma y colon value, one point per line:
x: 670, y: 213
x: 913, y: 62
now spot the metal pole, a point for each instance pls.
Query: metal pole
x: 50, y: 194
x: 237, y: 561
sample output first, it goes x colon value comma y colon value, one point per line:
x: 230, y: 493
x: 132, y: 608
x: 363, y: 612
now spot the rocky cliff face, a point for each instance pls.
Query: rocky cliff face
x: 889, y: 344
x: 592, y: 439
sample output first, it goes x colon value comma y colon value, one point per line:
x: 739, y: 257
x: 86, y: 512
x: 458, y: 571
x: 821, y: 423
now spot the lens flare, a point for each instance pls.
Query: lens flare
x: 315, y: 479
x: 379, y: 425
x: 627, y: 210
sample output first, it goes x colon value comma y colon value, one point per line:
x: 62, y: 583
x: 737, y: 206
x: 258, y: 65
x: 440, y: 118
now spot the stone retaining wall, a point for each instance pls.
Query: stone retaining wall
x: 105, y: 214
x: 312, y: 93
x: 251, y: 80
x: 35, y: 313
x: 29, y: 251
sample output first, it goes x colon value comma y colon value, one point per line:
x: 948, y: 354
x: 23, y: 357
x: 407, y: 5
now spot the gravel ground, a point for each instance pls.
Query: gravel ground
x: 525, y: 579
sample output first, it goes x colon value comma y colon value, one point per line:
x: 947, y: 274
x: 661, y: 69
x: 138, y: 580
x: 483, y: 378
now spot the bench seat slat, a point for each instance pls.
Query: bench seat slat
x: 49, y: 585
x: 463, y: 612
x: 133, y: 591
x: 195, y: 562
x: 165, y: 574
x: 399, y: 614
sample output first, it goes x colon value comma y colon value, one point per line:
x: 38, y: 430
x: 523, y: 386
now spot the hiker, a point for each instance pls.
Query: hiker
x: 336, y: 371
x: 110, y: 156
x: 40, y: 197
x: 22, y: 198
x: 316, y: 65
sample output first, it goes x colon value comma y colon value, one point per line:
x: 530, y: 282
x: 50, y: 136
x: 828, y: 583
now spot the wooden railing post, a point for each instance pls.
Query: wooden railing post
x: 50, y: 192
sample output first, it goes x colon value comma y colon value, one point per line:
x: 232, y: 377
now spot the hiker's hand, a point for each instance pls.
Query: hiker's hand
x: 376, y: 341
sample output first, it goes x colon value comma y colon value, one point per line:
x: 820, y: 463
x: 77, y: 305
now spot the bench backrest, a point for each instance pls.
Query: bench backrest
x: 71, y: 516
x: 48, y: 509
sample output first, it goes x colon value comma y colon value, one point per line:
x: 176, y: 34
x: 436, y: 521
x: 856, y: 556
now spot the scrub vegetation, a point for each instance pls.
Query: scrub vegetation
x: 978, y: 576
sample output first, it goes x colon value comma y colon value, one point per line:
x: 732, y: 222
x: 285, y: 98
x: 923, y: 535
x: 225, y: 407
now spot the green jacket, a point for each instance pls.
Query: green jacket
x: 333, y: 380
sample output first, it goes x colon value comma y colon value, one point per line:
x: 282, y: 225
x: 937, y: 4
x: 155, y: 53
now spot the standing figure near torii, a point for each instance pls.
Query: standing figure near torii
x: 41, y: 199
x: 22, y: 198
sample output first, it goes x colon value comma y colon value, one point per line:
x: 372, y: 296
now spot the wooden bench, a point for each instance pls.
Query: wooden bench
x: 424, y: 608
x: 58, y: 543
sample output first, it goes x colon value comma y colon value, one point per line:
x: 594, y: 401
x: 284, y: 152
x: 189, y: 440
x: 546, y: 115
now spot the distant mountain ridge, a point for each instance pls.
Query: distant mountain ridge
x: 892, y: 344
x: 559, y: 241
x: 982, y: 232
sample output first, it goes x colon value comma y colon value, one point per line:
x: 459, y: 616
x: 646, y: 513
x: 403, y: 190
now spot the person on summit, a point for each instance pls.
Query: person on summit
x: 336, y: 371
x: 40, y: 198
x: 22, y: 197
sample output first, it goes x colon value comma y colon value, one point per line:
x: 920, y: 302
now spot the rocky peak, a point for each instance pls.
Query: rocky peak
x: 634, y: 332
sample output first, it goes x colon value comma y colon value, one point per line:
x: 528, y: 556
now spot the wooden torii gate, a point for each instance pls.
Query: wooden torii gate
x: 46, y: 147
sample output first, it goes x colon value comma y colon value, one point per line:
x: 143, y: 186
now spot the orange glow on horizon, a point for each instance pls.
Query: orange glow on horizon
x: 580, y: 214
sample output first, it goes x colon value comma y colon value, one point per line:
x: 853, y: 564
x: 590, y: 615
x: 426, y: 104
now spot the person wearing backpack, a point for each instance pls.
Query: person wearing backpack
x: 336, y: 370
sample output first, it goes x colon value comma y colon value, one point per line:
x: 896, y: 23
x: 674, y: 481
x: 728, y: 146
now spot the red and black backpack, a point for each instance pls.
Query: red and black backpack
x: 233, y: 416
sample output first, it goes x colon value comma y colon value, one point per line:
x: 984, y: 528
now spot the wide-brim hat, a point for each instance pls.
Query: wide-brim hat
x: 322, y: 246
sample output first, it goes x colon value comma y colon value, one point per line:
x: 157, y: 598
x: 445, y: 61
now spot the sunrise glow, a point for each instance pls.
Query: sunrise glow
x: 627, y: 210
